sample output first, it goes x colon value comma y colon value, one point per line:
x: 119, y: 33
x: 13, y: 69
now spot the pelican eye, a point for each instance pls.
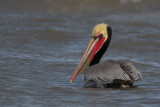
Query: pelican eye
x: 98, y: 36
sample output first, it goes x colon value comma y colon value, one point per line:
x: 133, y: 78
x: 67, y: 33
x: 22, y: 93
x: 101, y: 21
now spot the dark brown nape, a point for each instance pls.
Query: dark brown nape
x: 103, y: 49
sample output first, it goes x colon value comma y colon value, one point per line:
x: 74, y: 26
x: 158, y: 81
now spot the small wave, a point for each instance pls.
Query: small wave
x: 136, y: 60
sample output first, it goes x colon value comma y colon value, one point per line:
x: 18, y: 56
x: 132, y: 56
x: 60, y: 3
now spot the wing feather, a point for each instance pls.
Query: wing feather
x: 111, y: 72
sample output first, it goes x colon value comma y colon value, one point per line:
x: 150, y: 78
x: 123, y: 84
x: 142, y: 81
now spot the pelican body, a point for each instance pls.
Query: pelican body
x: 107, y: 74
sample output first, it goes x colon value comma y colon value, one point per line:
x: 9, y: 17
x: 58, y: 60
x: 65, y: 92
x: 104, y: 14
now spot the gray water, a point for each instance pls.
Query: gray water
x: 42, y: 41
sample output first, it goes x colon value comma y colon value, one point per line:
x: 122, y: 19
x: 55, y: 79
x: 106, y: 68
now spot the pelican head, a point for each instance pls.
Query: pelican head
x: 98, y: 44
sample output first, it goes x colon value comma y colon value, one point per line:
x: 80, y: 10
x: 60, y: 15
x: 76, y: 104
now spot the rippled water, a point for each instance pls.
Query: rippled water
x: 41, y: 42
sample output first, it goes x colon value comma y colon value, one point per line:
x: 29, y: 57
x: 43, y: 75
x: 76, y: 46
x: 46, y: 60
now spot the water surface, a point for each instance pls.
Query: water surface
x: 41, y: 42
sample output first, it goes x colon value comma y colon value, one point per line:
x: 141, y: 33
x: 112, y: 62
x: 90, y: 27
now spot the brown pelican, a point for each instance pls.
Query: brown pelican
x: 110, y: 73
